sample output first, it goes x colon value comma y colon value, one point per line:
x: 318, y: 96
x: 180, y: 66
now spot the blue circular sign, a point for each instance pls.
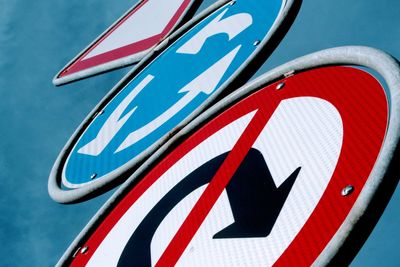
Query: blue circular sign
x: 170, y: 89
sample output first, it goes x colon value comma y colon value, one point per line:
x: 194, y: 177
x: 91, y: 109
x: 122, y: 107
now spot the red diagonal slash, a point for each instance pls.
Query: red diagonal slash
x: 216, y: 187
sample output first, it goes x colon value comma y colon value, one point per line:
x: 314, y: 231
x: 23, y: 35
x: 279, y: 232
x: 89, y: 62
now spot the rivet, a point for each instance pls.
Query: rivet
x: 280, y: 86
x: 84, y: 250
x: 101, y: 112
x: 256, y: 42
x: 93, y: 176
x: 347, y: 190
x: 232, y: 3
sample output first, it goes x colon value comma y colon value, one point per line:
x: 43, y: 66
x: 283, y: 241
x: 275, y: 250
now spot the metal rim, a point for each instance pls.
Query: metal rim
x: 373, y: 59
x: 287, y: 14
x: 118, y: 63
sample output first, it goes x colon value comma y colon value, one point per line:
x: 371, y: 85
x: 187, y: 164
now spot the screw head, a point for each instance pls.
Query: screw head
x: 280, y: 86
x: 348, y: 190
x: 84, y: 250
x: 93, y: 176
x: 101, y: 112
x: 256, y: 42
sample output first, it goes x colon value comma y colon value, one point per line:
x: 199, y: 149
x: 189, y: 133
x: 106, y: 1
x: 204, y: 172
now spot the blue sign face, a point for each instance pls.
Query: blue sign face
x: 170, y: 89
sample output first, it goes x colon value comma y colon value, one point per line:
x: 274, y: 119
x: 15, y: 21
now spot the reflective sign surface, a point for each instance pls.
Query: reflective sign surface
x: 268, y: 181
x: 170, y: 89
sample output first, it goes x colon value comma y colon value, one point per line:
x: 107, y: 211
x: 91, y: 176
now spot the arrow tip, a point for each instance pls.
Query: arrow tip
x: 255, y: 200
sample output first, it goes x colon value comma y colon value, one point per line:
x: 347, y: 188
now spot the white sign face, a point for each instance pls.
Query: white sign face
x: 148, y: 21
x: 276, y: 141
x: 128, y: 40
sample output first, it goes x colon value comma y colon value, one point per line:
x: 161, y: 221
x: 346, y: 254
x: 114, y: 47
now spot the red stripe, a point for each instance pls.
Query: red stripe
x: 81, y: 64
x: 213, y: 191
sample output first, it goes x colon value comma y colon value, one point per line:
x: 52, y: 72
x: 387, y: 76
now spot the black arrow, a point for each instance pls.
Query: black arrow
x: 251, y: 190
x: 255, y: 200
x: 137, y: 250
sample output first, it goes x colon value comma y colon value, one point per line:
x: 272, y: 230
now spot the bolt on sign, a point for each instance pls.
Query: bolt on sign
x: 164, y: 93
x: 279, y: 173
x: 129, y: 39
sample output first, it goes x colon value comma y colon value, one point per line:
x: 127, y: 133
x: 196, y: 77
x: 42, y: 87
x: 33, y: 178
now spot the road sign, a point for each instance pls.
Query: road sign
x: 162, y: 95
x: 276, y: 174
x: 129, y: 39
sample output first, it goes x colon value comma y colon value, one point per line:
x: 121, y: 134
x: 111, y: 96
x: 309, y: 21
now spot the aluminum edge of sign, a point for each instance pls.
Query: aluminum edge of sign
x: 374, y: 59
x: 281, y: 25
x: 121, y: 62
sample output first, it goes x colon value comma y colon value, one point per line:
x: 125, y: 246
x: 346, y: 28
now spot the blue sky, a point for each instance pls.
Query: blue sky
x: 37, y: 38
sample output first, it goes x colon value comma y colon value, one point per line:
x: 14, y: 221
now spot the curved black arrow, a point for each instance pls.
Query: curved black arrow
x: 254, y: 198
x: 137, y: 250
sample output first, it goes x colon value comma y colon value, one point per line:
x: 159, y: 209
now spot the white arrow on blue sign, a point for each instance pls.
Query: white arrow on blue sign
x: 167, y: 93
